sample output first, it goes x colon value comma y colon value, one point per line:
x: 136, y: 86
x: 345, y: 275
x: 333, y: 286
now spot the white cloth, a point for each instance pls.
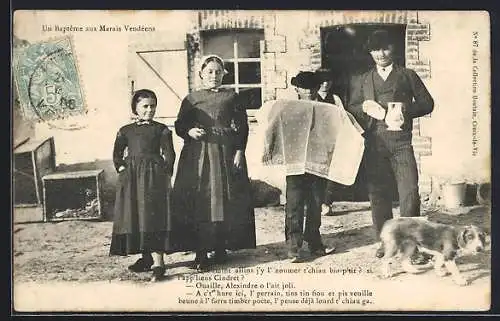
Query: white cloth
x: 311, y: 137
x: 373, y: 109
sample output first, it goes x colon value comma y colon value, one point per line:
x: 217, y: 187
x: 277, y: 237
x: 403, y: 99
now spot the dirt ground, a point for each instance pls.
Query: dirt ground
x: 75, y: 254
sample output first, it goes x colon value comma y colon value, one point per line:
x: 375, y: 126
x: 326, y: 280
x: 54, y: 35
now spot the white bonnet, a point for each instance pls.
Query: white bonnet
x: 205, y: 58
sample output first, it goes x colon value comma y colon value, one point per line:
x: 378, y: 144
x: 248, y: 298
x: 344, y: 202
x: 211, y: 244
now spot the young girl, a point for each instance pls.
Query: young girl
x: 212, y: 202
x: 142, y: 198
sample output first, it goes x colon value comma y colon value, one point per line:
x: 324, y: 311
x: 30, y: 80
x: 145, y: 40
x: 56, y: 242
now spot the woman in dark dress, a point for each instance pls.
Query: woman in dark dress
x: 141, y: 216
x: 211, y: 197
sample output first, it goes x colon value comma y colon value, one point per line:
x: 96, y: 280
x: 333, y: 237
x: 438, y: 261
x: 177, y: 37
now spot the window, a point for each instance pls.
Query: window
x: 240, y: 50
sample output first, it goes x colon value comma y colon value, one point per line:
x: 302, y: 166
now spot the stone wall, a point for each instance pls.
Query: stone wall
x: 292, y: 41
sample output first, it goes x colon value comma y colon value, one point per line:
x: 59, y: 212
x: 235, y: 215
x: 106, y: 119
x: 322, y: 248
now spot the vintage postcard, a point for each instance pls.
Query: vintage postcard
x: 251, y: 161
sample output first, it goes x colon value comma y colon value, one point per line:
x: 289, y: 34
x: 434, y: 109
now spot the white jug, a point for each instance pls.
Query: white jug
x: 394, y: 117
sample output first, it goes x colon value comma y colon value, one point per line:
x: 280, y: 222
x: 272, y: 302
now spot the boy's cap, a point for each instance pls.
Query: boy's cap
x: 305, y: 80
x: 379, y: 39
x: 324, y: 74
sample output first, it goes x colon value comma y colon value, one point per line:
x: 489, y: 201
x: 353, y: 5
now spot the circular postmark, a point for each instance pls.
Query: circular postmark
x: 54, y: 91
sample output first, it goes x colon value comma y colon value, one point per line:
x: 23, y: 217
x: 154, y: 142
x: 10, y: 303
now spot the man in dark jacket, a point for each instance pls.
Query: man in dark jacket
x: 388, y: 131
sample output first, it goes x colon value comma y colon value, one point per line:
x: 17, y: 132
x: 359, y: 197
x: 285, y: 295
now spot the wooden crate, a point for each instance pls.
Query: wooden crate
x: 73, y: 195
x: 32, y: 160
x: 27, y: 214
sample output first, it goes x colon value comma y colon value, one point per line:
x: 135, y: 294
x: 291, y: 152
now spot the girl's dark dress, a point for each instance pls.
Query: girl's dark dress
x: 141, y: 216
x: 211, y: 199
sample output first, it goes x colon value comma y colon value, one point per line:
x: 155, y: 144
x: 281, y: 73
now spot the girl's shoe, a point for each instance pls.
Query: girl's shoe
x: 202, y: 266
x: 200, y: 261
x: 141, y: 265
x: 158, y: 273
x: 220, y: 256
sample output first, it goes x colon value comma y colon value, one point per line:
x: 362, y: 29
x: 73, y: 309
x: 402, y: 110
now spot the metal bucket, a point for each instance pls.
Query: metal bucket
x: 454, y: 194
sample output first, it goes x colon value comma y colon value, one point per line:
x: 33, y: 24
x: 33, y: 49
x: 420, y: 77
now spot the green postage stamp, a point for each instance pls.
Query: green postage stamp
x: 47, y: 81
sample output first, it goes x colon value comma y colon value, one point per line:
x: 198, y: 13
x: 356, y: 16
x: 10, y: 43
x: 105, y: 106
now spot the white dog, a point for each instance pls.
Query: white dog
x: 444, y: 242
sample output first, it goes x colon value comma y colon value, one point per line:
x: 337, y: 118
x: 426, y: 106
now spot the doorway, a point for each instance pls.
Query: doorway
x: 343, y: 52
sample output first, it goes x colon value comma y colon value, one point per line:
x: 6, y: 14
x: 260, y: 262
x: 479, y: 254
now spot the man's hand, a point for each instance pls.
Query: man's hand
x: 196, y: 133
x: 373, y: 109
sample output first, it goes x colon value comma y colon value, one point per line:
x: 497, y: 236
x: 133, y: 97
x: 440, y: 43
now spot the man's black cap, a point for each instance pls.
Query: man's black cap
x: 379, y: 39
